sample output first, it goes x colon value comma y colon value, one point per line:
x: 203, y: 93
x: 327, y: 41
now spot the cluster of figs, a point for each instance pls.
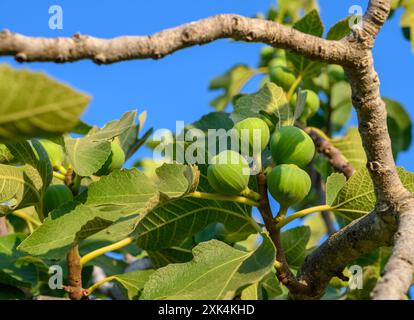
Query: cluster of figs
x: 291, y: 148
x: 58, y: 194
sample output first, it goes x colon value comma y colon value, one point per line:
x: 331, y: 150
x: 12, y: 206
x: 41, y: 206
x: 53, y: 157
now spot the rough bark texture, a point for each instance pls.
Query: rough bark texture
x: 334, y: 156
x: 395, y: 205
x: 158, y: 45
x: 74, y: 288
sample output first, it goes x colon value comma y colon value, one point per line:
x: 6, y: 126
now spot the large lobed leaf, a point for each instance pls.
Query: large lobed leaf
x: 216, y: 272
x: 231, y: 82
x: 356, y: 197
x: 173, y: 221
x: 34, y: 105
x: 24, y: 185
x: 351, y: 148
x: 270, y: 99
x: 311, y: 24
x: 89, y: 153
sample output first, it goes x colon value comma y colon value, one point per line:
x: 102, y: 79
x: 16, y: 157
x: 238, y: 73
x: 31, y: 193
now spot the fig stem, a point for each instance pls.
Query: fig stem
x: 98, y: 252
x: 293, y: 87
x: 281, y: 214
x: 26, y: 217
x: 278, y: 265
x: 249, y: 193
x: 301, y: 214
x: 219, y: 197
x: 96, y: 285
x: 58, y: 175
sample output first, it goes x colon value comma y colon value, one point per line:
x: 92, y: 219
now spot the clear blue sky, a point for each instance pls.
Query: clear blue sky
x: 175, y: 88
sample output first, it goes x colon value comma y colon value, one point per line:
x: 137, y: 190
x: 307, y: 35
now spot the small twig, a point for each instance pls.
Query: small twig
x: 98, y: 252
x: 334, y: 156
x: 75, y: 290
x: 219, y: 197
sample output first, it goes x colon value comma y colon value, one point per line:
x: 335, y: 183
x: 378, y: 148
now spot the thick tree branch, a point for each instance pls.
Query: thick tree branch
x: 358, y: 238
x: 398, y: 273
x: 158, y: 45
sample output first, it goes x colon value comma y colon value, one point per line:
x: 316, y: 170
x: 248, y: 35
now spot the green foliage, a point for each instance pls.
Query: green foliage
x: 55, y: 196
x: 399, y: 126
x: 270, y: 100
x: 355, y: 197
x: 310, y: 24
x: 33, y: 105
x: 231, y: 82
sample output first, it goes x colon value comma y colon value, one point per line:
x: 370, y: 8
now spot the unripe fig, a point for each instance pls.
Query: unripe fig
x: 277, y: 62
x: 266, y: 54
x: 336, y: 72
x: 115, y: 161
x: 257, y: 132
x: 288, y: 184
x: 291, y: 145
x: 55, y: 196
x: 229, y: 173
x: 54, y: 151
x: 312, y: 104
x: 282, y: 77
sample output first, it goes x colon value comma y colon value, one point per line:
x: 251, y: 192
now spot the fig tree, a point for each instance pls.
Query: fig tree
x: 288, y: 184
x: 54, y: 151
x: 115, y: 160
x: 55, y: 196
x: 229, y: 173
x: 312, y: 104
x: 291, y: 145
x: 257, y: 132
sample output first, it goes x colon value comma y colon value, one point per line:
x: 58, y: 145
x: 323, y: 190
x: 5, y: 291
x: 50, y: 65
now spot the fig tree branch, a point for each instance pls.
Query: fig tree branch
x: 161, y: 44
x: 285, y: 276
x: 333, y: 155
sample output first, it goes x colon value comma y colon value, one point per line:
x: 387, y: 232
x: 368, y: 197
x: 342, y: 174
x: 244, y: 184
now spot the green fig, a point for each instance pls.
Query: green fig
x: 55, y: 196
x: 291, y: 145
x: 288, y: 184
x: 54, y: 151
x: 266, y: 54
x: 336, y: 72
x: 282, y: 77
x: 115, y: 160
x: 277, y: 62
x: 229, y: 173
x: 312, y: 104
x: 257, y: 132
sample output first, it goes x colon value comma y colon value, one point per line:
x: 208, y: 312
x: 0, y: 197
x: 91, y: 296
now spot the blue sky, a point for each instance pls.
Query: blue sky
x: 175, y: 88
